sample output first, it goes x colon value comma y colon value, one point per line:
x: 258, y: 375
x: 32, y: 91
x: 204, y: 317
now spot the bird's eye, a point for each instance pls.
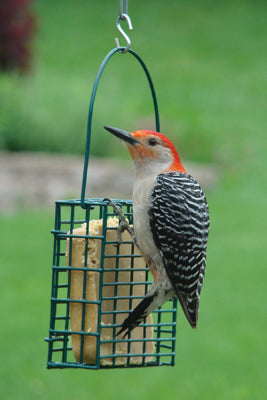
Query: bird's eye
x: 152, y: 142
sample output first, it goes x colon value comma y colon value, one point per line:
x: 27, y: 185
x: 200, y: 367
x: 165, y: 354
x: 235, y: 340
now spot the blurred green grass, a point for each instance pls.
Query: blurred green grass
x: 224, y: 359
x: 207, y: 63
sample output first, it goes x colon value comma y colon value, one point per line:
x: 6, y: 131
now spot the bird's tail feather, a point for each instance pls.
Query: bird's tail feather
x: 136, y: 316
x: 190, y: 307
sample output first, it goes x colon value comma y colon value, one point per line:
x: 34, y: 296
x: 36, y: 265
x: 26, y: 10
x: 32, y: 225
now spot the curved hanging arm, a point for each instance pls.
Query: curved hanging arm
x: 91, y: 107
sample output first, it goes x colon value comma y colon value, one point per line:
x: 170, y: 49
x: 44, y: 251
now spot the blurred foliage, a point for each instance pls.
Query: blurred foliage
x: 17, y: 25
x: 206, y: 60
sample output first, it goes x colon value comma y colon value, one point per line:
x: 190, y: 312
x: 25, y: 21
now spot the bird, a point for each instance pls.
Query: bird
x: 171, y: 225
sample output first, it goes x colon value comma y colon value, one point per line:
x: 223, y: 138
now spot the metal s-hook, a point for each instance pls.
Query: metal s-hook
x: 126, y: 37
x: 124, y: 17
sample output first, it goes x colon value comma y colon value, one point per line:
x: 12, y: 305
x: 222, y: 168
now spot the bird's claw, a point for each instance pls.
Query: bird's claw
x: 123, y: 223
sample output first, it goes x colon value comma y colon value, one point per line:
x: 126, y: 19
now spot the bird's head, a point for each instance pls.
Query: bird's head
x: 152, y: 152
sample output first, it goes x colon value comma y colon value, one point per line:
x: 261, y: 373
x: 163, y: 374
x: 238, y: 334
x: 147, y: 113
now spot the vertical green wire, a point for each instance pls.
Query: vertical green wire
x: 53, y: 306
x: 65, y: 343
x: 101, y: 281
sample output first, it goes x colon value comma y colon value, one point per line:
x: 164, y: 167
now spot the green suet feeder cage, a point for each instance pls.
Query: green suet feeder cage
x: 95, y: 283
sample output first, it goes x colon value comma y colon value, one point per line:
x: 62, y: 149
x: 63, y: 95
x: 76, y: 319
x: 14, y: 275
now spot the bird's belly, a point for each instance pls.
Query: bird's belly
x: 144, y: 234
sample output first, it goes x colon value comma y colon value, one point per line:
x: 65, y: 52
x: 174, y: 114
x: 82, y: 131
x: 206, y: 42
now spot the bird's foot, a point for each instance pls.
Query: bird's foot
x: 123, y: 223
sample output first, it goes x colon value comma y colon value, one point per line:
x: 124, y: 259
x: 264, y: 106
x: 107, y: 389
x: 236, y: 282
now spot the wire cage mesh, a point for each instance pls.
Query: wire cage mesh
x: 94, y: 286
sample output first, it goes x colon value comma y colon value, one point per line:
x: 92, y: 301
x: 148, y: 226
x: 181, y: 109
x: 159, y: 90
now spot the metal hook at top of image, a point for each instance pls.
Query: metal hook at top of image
x: 123, y: 17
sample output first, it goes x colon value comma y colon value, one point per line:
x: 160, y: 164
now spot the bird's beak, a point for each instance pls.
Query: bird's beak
x: 123, y: 135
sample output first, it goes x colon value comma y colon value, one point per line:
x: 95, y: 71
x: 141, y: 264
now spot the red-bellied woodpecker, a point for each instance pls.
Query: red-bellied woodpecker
x: 171, y: 224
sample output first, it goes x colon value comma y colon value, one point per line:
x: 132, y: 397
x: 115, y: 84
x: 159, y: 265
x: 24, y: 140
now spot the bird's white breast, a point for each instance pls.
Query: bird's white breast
x: 141, y: 205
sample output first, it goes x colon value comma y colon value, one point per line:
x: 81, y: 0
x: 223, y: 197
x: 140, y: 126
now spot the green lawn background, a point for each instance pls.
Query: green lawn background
x: 207, y: 63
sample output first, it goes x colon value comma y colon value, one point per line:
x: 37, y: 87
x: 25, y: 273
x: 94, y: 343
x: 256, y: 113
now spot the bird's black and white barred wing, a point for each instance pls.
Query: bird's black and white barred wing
x: 179, y: 220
